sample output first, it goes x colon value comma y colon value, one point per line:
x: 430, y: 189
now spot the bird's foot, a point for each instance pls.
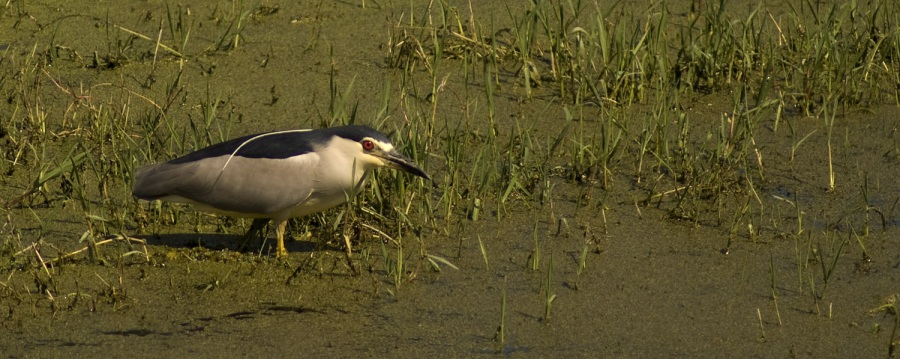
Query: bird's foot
x: 349, y: 255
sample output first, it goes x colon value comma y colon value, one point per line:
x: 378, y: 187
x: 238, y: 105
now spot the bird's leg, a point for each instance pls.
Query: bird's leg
x: 279, y: 232
x: 256, y: 230
x: 349, y: 252
x: 349, y: 247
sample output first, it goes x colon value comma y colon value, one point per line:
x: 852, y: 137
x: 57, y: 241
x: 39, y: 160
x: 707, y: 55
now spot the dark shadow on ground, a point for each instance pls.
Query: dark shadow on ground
x: 218, y: 241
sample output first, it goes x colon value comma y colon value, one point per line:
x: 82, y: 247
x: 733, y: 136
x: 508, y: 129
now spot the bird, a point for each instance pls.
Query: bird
x: 274, y: 175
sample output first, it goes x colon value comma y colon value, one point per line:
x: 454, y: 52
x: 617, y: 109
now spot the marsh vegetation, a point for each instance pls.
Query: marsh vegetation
x: 619, y: 178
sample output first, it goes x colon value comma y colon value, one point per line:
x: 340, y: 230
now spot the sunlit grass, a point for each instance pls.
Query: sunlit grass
x: 613, y: 87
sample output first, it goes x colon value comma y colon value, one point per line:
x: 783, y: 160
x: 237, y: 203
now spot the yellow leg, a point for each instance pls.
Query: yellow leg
x: 279, y: 232
x: 349, y: 252
x: 349, y: 246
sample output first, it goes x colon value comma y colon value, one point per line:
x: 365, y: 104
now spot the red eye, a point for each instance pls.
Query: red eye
x: 368, y: 145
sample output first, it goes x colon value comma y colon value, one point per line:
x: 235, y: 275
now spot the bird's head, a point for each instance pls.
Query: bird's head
x: 372, y: 149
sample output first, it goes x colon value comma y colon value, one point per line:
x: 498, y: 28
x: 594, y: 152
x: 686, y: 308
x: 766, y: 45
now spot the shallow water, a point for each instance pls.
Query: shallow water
x: 652, y: 285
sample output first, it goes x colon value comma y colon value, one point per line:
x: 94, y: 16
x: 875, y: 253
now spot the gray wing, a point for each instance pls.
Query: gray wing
x: 252, y: 186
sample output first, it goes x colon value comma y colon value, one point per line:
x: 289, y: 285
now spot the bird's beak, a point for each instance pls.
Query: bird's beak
x: 396, y: 160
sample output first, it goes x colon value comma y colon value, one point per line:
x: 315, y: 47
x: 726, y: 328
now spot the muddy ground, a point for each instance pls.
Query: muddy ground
x: 651, y: 285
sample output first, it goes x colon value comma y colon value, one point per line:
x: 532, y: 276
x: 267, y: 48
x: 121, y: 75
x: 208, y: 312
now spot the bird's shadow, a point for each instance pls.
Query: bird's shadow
x: 232, y: 242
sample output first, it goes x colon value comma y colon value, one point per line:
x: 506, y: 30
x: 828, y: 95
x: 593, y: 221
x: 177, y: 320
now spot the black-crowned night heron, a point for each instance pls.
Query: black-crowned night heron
x: 278, y: 175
